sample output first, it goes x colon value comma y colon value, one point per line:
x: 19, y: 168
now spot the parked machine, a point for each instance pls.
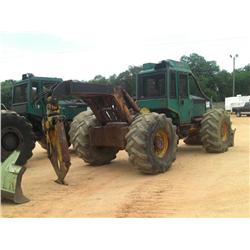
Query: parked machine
x: 170, y: 106
x: 244, y: 110
x: 22, y: 124
x: 235, y: 102
x: 170, y: 88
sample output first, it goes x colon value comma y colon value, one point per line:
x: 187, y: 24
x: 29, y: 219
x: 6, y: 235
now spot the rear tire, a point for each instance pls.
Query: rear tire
x: 79, y: 137
x: 152, y: 143
x: 16, y: 134
x: 216, y: 132
x: 77, y: 120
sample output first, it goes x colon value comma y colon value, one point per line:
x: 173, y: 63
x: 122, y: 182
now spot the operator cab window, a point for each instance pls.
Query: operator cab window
x: 172, y: 84
x: 20, y: 93
x: 34, y: 92
x: 47, y: 87
x: 194, y: 90
x: 153, y: 86
x: 183, y: 85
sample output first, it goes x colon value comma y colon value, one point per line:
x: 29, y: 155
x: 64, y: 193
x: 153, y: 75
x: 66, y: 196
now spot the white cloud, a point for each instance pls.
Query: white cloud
x: 114, y: 34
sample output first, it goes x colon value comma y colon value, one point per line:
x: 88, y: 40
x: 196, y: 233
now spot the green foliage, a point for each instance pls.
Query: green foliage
x: 224, y: 82
x: 206, y: 72
x: 242, y: 79
x: 125, y: 79
x: 216, y: 84
x: 6, y: 89
x: 200, y: 67
x: 99, y: 79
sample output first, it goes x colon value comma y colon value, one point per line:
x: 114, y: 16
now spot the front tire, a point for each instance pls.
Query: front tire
x: 16, y: 134
x: 152, y: 143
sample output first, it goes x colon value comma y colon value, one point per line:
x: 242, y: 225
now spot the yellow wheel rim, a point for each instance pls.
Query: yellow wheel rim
x: 224, y: 131
x: 161, y: 143
x: 144, y: 110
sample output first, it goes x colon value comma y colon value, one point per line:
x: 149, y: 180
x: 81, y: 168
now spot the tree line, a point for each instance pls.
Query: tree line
x: 216, y: 84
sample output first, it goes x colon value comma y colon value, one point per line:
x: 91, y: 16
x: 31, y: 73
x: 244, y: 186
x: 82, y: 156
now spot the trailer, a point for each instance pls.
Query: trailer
x: 235, y: 102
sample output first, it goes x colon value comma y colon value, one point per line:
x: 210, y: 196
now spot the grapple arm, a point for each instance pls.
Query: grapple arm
x: 108, y: 103
x: 57, y: 145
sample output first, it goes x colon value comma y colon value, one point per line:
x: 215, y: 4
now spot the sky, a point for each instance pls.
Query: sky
x: 81, y: 39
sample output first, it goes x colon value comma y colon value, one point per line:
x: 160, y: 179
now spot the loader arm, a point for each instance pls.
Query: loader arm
x: 108, y: 103
x: 113, y: 107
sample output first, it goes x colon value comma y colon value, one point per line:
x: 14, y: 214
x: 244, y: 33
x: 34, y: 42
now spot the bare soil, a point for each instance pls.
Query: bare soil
x: 197, y: 185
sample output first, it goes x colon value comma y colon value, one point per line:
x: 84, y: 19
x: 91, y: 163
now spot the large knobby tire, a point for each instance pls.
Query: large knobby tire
x: 216, y: 132
x: 79, y: 137
x: 152, y: 143
x: 16, y: 134
x: 77, y: 120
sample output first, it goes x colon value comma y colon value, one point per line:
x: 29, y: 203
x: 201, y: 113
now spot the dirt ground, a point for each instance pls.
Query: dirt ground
x: 197, y: 185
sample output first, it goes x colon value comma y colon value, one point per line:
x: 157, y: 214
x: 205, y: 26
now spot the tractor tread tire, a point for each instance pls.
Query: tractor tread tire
x: 13, y: 120
x: 139, y: 143
x: 210, y: 132
x: 79, y: 137
x: 77, y: 120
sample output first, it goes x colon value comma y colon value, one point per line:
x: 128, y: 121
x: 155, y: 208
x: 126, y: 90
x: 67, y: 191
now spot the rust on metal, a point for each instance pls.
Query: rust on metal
x: 111, y: 135
x: 57, y: 145
x: 109, y: 104
x: 112, y: 106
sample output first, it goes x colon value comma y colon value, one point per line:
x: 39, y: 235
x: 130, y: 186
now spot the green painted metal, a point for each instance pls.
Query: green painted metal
x: 32, y: 107
x: 178, y: 66
x: 171, y: 64
x: 11, y: 177
x: 153, y: 104
x: 39, y: 79
x: 37, y: 107
x: 148, y: 66
x: 184, y: 107
x: 196, y: 109
x: 33, y: 104
x: 71, y: 108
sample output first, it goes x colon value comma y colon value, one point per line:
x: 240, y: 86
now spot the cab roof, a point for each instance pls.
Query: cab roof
x: 165, y: 64
x: 30, y: 76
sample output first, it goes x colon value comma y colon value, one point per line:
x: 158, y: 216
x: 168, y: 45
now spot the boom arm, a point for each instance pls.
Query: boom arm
x: 109, y: 104
x: 113, y: 108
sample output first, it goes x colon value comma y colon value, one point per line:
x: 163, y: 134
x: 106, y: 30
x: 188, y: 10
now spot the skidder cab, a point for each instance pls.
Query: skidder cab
x: 170, y: 88
x: 170, y: 106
